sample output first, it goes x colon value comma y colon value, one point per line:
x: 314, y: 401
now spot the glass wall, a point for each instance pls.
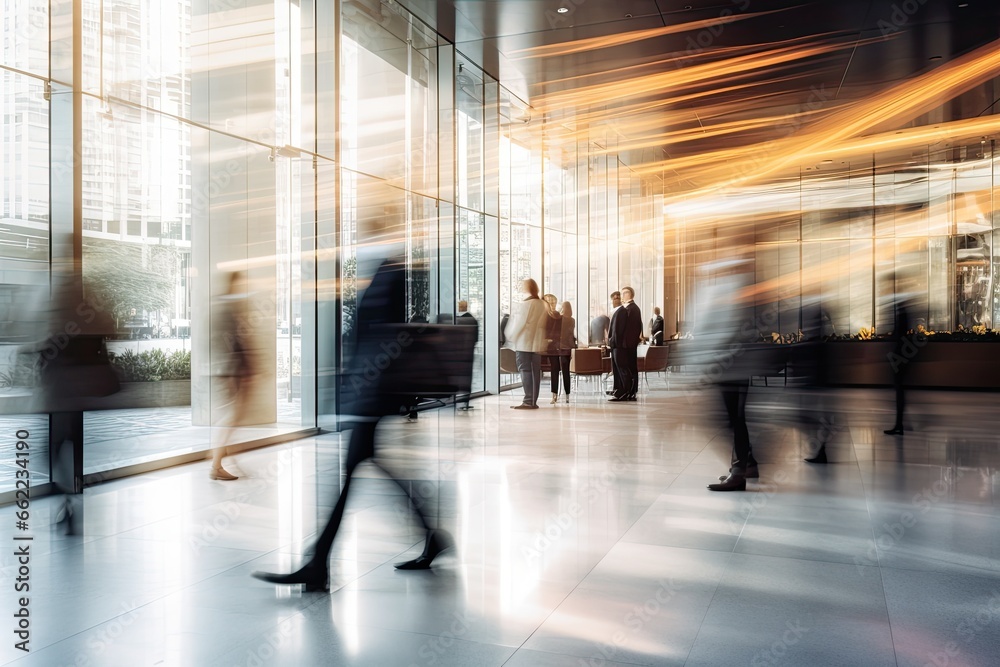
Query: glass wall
x: 856, y: 232
x: 281, y: 140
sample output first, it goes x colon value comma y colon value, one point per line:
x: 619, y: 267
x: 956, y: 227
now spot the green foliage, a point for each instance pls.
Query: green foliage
x: 124, y: 276
x: 24, y: 373
x: 152, y: 365
x: 349, y: 297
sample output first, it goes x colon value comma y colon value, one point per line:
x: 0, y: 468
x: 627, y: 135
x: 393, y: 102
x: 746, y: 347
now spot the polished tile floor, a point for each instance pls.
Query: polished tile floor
x: 585, y: 535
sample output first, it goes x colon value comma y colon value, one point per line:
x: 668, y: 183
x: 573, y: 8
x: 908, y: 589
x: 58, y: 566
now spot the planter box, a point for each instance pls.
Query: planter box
x: 162, y: 394
x: 936, y: 364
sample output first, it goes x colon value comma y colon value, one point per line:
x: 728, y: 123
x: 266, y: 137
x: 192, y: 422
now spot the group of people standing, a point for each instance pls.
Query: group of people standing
x: 537, y: 328
x: 624, y: 336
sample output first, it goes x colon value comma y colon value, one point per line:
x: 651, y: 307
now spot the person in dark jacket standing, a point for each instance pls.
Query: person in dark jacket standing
x: 616, y: 375
x: 468, y: 319
x: 656, y: 328
x: 564, y: 346
x: 626, y: 331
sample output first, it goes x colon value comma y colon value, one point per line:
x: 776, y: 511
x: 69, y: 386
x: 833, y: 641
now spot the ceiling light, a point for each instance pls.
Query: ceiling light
x: 963, y: 4
x: 562, y: 10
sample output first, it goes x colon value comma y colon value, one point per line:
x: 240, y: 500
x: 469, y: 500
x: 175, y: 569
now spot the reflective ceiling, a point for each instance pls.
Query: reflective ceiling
x: 690, y: 84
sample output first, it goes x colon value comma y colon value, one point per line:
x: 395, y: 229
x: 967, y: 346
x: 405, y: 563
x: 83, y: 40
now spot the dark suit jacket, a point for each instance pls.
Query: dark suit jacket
x: 468, y: 319
x: 617, y: 316
x: 382, y: 304
x: 626, y: 327
x: 656, y: 325
x: 599, y: 329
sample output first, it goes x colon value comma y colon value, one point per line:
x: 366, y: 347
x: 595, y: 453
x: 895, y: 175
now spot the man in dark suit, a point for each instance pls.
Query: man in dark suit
x: 599, y: 329
x: 656, y: 328
x: 366, y: 400
x: 468, y: 319
x: 626, y: 330
x: 616, y: 376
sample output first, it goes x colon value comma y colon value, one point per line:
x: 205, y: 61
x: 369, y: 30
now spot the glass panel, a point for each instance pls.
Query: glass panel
x: 374, y: 95
x: 559, y: 264
x: 24, y: 255
x: 471, y: 282
x: 26, y: 36
x: 430, y: 265
x: 146, y: 53
x: 469, y: 134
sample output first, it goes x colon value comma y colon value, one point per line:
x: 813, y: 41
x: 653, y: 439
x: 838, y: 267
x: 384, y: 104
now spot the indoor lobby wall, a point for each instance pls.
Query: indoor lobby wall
x: 851, y: 235
x: 264, y: 137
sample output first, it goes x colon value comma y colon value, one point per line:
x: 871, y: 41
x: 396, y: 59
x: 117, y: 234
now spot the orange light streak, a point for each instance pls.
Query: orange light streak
x: 603, y: 42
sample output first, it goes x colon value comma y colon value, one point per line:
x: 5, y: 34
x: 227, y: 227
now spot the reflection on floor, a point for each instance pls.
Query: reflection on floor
x: 585, y: 537
x: 119, y: 438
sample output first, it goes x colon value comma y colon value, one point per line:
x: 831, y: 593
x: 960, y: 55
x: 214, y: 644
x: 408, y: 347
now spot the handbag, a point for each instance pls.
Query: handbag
x: 80, y: 369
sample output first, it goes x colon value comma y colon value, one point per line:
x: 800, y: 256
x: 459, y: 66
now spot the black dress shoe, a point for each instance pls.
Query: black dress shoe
x: 819, y: 458
x: 436, y: 542
x: 735, y: 482
x: 751, y: 473
x: 631, y: 397
x: 895, y: 430
x: 617, y: 399
x: 314, y: 578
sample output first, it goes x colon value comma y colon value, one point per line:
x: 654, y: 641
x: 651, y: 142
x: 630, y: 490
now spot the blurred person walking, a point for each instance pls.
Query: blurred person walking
x: 366, y: 400
x: 526, y: 334
x: 73, y: 366
x: 810, y: 361
x: 721, y: 351
x: 234, y: 367
x: 903, y: 351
